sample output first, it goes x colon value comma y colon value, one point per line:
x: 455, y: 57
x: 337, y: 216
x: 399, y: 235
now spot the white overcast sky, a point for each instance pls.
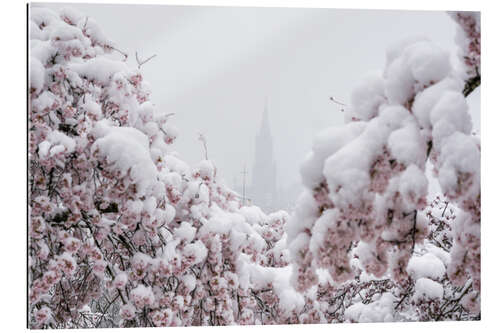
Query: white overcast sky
x: 215, y: 66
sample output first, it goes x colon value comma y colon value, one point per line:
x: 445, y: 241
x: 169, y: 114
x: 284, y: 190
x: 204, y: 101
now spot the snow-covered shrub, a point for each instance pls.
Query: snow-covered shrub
x: 366, y: 183
x: 121, y: 231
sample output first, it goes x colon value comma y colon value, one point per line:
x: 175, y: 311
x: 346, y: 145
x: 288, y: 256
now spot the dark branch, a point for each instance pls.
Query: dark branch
x: 471, y: 84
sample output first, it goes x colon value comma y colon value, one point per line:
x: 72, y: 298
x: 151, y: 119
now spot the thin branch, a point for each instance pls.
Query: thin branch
x: 202, y: 138
x: 342, y: 105
x: 444, y: 210
x: 142, y: 62
x: 121, y: 52
x: 337, y: 102
x: 471, y: 84
x: 413, y: 230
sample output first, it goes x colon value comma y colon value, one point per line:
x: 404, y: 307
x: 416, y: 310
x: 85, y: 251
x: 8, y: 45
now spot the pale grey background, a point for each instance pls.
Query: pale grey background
x: 216, y: 65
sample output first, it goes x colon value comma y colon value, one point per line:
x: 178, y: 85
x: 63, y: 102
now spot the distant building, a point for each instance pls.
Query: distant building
x: 263, y: 190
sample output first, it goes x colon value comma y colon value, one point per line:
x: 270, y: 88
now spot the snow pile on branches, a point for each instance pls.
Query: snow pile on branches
x: 122, y: 232
x: 366, y: 183
x: 468, y: 39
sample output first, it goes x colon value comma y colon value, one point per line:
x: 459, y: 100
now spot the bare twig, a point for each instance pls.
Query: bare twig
x: 142, y: 62
x: 339, y: 103
x: 336, y: 102
x: 444, y: 210
x: 121, y: 52
x: 413, y: 230
x: 202, y: 138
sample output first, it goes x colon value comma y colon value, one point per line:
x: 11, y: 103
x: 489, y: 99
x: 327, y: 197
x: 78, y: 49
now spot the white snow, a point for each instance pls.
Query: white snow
x: 426, y: 266
x: 59, y: 138
x: 70, y: 14
x: 460, y: 153
x: 37, y: 74
x: 45, y: 100
x: 366, y: 98
x: 450, y: 114
x: 407, y: 145
x: 197, y: 250
x: 326, y: 143
x: 279, y: 278
x: 189, y: 281
x: 377, y: 311
x: 427, y: 99
x: 128, y: 149
x: 413, y: 185
x: 412, y: 64
x: 427, y: 289
x: 99, y: 69
x: 253, y: 214
x: 185, y: 231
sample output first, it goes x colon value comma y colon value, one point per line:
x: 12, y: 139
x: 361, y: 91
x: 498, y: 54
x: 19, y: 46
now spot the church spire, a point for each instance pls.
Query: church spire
x: 263, y: 188
x: 265, y: 129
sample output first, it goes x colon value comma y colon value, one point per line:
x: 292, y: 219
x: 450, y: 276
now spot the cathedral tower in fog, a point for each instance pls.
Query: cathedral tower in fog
x: 262, y: 189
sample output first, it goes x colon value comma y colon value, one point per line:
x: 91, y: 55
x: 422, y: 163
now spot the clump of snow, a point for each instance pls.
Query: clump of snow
x: 429, y: 63
x: 426, y: 99
x: 253, y: 214
x: 127, y: 149
x: 347, y: 171
x: 42, y: 16
x: 413, y: 186
x: 185, y: 231
x: 460, y: 157
x: 221, y: 222
x: 378, y: 311
x: 197, y: 250
x: 59, y: 138
x: 411, y: 66
x: 279, y: 278
x: 37, y: 75
x: 366, y: 98
x: 427, y: 289
x: 43, y: 149
x: 189, y: 281
x: 439, y: 252
x: 92, y: 108
x: 70, y: 15
x: 43, y: 51
x: 94, y: 31
x: 450, y: 114
x: 64, y: 32
x: 142, y: 296
x: 206, y: 169
x: 326, y: 143
x: 468, y: 40
x: 45, y: 101
x: 99, y: 69
x: 175, y: 164
x: 426, y: 266
x: 407, y: 145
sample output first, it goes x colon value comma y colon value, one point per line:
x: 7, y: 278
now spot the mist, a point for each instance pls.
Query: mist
x: 219, y: 68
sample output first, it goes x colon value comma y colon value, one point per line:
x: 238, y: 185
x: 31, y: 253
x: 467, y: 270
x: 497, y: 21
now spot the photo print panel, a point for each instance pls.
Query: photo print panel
x: 202, y: 165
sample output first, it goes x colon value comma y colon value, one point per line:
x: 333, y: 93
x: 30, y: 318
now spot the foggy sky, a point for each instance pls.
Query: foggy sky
x: 215, y: 66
